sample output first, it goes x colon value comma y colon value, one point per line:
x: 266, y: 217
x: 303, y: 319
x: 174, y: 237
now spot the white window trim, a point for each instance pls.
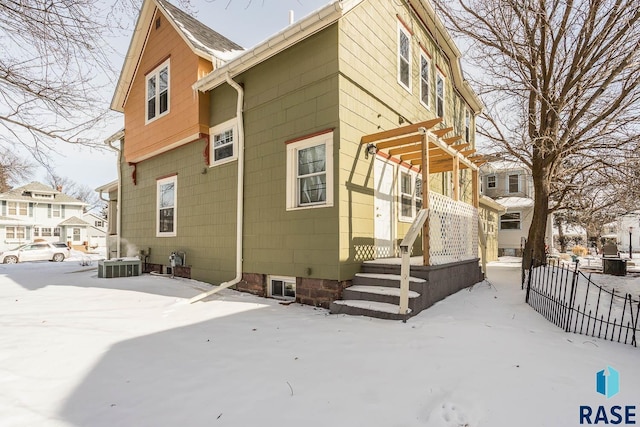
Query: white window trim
x: 160, y: 182
x: 441, y: 76
x: 292, y: 165
x: 467, y: 125
x: 495, y: 181
x: 402, y: 29
x: 270, y: 280
x: 220, y: 128
x: 509, y: 186
x: 519, y: 221
x: 424, y: 56
x: 414, y: 175
x: 156, y: 73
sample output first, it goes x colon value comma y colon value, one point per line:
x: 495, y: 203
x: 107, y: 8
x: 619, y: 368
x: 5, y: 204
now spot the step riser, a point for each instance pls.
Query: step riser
x: 391, y: 283
x: 367, y: 296
x: 358, y: 311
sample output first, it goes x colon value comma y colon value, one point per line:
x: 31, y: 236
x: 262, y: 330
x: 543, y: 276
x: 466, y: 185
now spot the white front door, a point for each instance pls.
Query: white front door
x: 384, y: 229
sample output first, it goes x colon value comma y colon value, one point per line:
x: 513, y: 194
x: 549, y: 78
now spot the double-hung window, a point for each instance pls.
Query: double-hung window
x: 425, y: 66
x: 224, y: 142
x: 439, y: 95
x: 15, y: 233
x: 166, y: 206
x: 410, y: 195
x: 406, y: 196
x: 510, y: 221
x: 513, y: 183
x: 491, y: 181
x: 17, y: 208
x: 157, y: 92
x: 404, y: 57
x: 310, y: 172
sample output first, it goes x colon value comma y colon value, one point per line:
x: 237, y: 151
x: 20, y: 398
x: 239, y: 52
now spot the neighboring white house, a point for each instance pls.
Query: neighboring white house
x: 511, y: 185
x: 36, y: 211
x: 628, y: 226
x: 97, y: 231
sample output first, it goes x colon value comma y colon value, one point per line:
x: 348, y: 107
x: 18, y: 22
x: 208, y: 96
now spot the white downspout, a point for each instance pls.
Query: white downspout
x: 240, y: 200
x: 109, y: 142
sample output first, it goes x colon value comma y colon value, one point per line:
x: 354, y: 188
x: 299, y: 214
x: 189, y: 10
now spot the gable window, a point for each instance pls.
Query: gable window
x: 99, y: 223
x: 467, y: 125
x: 310, y: 172
x: 491, y: 181
x: 157, y: 83
x: 404, y: 57
x: 510, y: 221
x: 17, y: 208
x: 514, y: 183
x: 223, y: 142
x: 439, y: 95
x: 166, y: 206
x: 425, y: 65
x: 282, y: 287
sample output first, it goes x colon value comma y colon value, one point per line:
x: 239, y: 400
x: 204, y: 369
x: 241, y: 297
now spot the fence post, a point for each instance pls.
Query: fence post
x: 572, y: 299
x: 526, y: 299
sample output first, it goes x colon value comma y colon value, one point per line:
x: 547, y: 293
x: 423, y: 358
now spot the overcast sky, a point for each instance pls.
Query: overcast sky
x: 246, y: 22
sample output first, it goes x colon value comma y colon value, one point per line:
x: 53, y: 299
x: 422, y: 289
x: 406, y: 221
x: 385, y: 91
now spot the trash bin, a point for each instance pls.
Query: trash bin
x: 614, y: 266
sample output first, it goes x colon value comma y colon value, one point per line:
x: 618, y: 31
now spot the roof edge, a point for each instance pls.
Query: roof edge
x: 289, y: 36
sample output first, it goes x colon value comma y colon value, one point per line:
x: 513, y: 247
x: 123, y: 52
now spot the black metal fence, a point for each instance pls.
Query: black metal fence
x: 571, y: 300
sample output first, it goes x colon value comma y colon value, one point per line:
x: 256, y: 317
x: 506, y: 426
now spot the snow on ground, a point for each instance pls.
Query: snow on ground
x: 76, y: 350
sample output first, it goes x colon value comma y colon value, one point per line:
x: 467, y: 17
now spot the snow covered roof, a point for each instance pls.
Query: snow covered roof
x: 30, y: 192
x: 515, y: 202
x: 199, y: 36
x: 74, y: 220
x: 502, y: 166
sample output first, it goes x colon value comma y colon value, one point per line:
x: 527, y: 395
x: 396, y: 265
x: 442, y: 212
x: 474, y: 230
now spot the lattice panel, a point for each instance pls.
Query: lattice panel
x: 453, y: 230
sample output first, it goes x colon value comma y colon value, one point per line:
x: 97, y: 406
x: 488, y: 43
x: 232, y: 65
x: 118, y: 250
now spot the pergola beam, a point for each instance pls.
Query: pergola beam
x: 428, y: 124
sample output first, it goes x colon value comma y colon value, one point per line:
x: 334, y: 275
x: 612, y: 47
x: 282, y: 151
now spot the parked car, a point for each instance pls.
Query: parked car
x: 36, y: 251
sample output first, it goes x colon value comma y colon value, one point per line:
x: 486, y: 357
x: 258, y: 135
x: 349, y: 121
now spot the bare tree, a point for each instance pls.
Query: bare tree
x: 57, y: 72
x: 561, y: 80
x: 81, y: 192
x: 13, y: 169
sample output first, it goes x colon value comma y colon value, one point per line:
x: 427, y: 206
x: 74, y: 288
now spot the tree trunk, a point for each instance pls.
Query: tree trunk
x: 534, y: 252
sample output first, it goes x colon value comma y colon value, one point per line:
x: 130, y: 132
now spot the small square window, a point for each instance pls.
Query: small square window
x: 223, y: 142
x: 282, y: 287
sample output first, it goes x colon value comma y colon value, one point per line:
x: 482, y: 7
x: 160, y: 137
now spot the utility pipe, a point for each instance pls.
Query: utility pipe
x: 117, y: 137
x: 240, y: 200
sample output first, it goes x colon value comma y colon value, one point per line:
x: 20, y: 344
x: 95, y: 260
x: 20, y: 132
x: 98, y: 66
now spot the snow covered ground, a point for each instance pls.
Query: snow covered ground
x: 76, y: 350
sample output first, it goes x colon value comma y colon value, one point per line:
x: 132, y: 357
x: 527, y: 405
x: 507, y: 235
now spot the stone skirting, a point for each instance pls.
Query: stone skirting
x: 315, y: 292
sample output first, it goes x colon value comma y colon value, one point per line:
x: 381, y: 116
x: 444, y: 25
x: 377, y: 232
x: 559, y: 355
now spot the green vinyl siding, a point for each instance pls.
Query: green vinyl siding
x: 291, y: 95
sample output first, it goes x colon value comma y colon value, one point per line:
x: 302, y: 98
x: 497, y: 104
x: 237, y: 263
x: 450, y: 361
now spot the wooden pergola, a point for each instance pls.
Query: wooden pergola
x: 429, y: 149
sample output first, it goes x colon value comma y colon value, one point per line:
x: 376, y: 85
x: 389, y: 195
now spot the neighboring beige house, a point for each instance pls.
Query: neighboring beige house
x: 490, y: 212
x: 109, y: 194
x: 282, y: 168
x: 36, y: 211
x: 510, y: 184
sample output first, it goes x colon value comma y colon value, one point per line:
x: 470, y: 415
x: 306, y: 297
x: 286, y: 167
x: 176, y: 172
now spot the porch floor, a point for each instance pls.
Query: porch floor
x: 415, y: 260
